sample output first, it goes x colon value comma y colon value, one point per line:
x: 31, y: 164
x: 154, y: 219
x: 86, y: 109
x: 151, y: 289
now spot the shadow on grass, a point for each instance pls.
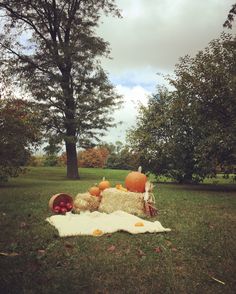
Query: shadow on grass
x: 29, y: 183
x: 200, y: 187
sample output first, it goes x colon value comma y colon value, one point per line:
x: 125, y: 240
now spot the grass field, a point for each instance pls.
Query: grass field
x: 197, y: 256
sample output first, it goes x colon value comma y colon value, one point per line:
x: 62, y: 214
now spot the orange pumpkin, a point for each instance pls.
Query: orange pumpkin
x: 104, y: 184
x: 135, y: 181
x: 94, y: 191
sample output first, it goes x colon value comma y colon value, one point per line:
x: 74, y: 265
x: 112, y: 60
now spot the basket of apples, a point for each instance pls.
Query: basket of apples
x: 61, y: 203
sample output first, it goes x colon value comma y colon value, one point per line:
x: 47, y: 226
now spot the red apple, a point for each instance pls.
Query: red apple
x: 62, y: 204
x: 56, y: 208
x: 69, y: 206
x: 63, y: 210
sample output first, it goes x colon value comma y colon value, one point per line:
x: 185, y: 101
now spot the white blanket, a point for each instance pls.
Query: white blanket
x: 97, y: 224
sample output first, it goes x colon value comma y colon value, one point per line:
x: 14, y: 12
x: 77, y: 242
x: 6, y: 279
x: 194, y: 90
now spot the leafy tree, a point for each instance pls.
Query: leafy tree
x: 121, y: 157
x: 159, y: 137
x: 19, y: 131
x: 51, y: 150
x: 208, y: 80
x: 51, y: 47
x: 93, y: 157
x: 53, y: 147
x: 189, y: 132
x: 230, y: 17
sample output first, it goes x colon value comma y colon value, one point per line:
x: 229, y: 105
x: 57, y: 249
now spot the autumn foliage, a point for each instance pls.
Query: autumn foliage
x: 93, y: 157
x: 19, y: 131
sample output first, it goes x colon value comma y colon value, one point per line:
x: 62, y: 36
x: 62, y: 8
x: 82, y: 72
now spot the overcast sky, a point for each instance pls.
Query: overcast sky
x: 149, y: 39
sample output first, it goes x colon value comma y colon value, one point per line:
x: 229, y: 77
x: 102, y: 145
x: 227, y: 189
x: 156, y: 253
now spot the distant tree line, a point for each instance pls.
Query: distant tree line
x: 114, y: 156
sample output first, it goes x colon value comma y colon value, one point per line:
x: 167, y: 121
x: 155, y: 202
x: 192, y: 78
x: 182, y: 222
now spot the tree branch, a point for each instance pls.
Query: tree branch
x: 25, y: 20
x: 26, y: 59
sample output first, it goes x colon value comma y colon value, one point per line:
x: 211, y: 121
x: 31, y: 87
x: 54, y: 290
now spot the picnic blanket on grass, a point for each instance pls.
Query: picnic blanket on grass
x: 97, y: 223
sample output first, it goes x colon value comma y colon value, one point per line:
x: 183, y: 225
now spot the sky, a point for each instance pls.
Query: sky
x: 148, y: 41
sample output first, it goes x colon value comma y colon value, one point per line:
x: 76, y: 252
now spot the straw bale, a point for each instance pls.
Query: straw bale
x: 85, y: 201
x: 114, y: 199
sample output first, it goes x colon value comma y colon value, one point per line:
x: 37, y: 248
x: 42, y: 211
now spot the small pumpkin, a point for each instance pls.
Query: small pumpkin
x: 104, y: 184
x: 120, y: 187
x: 135, y: 181
x: 139, y: 224
x: 97, y: 233
x: 95, y: 191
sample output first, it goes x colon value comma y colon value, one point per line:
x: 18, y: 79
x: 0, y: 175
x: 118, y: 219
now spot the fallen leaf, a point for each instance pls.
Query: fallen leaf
x: 41, y: 252
x: 23, y: 225
x: 168, y: 243
x: 180, y: 268
x: 9, y: 254
x: 141, y: 253
x: 69, y: 245
x: 127, y: 251
x: 111, y: 248
x: 157, y: 250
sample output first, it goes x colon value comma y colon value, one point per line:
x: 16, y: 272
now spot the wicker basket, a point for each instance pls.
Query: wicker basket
x: 55, y: 200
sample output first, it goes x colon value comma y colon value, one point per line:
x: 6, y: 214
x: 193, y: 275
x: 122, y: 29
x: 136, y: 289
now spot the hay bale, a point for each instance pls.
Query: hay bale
x: 114, y: 199
x: 84, y: 202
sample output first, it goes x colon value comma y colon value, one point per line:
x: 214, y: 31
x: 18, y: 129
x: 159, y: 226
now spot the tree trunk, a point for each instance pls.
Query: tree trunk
x: 72, y: 163
x: 70, y: 124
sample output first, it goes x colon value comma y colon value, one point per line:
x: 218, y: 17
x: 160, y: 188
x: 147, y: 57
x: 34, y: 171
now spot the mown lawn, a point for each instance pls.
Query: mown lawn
x: 197, y: 256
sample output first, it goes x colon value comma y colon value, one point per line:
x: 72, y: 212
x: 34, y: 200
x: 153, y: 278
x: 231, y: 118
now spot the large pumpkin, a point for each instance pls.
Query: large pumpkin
x: 135, y: 181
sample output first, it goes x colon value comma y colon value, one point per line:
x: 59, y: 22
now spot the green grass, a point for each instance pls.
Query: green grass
x: 200, y: 246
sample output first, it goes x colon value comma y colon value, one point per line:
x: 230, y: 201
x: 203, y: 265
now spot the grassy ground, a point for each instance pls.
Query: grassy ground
x: 199, y: 249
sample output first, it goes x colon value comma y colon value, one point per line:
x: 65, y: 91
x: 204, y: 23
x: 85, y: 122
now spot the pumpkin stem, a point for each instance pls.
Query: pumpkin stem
x: 140, y: 169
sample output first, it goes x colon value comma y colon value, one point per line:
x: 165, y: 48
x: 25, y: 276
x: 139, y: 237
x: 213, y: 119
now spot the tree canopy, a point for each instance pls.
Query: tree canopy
x: 230, y: 17
x: 19, y: 132
x: 51, y: 50
x: 190, y: 132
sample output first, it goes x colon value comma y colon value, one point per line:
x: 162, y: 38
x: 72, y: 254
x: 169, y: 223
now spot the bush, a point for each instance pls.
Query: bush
x: 51, y: 160
x: 93, y: 157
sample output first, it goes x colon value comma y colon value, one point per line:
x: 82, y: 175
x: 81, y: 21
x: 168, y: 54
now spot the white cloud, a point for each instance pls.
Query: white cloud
x: 150, y: 39
x: 157, y: 32
x: 133, y: 97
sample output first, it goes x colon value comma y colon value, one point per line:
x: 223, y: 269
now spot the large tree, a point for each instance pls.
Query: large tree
x: 190, y: 132
x: 51, y: 49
